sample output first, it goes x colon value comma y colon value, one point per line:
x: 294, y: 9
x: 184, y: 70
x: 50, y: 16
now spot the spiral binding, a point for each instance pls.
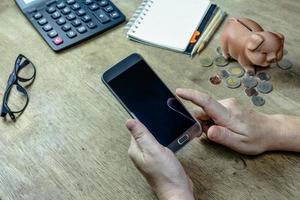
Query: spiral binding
x: 138, y: 16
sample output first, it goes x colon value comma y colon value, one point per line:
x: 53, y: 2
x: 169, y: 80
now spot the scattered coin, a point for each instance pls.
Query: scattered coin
x: 220, y: 61
x: 236, y: 71
x: 250, y: 81
x: 223, y: 74
x: 264, y: 76
x: 219, y: 51
x: 232, y: 82
x: 215, y: 80
x: 206, y: 62
x: 285, y: 64
x: 264, y: 87
x: 258, y: 100
x: 251, y: 92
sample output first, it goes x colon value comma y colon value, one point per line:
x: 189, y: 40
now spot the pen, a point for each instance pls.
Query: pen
x: 210, y: 32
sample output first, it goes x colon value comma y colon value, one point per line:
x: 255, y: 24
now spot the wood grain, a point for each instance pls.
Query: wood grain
x: 71, y: 142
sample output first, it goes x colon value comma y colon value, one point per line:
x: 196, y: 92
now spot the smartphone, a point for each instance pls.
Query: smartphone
x: 146, y: 98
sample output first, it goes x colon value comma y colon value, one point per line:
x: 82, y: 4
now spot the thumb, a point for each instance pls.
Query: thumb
x: 225, y: 137
x: 144, y: 139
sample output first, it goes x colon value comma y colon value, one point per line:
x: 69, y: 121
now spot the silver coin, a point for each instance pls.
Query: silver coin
x: 250, y: 81
x: 219, y: 51
x: 223, y: 74
x: 206, y: 62
x: 264, y: 76
x: 264, y: 87
x: 232, y: 82
x: 285, y: 64
x: 220, y: 61
x: 258, y: 100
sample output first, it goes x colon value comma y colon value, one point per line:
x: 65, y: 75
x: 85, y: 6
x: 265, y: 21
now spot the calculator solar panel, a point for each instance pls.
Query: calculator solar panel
x: 63, y: 23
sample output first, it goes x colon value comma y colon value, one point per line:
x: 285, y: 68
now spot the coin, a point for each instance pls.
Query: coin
x: 223, y: 74
x: 232, y: 82
x: 206, y: 62
x: 219, y: 51
x: 215, y: 80
x: 285, y: 52
x: 251, y: 92
x: 236, y: 71
x: 264, y: 87
x: 285, y: 64
x: 220, y: 61
x: 258, y: 100
x: 250, y: 81
x: 264, y: 76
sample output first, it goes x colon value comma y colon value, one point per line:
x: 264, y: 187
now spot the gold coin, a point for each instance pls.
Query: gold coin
x: 236, y: 71
x: 232, y: 82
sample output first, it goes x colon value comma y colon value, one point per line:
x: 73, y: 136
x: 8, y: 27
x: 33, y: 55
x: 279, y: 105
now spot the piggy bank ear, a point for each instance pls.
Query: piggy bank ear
x: 256, y: 41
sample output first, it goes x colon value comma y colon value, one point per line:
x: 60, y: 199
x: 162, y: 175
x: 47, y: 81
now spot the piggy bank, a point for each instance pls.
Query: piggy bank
x: 246, y: 41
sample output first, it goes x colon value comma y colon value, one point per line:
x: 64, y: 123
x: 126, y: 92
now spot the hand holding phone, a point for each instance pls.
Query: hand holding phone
x: 146, y: 98
x: 158, y: 164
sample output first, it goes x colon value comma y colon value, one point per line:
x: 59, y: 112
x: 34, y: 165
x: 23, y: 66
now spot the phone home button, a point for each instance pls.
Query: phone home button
x: 183, y: 139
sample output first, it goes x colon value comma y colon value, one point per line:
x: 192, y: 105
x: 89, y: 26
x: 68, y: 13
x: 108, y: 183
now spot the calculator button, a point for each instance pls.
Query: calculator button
x: 75, y: 6
x: 81, y: 12
x: 81, y: 29
x: 66, y: 10
x: 66, y: 27
x: 51, y: 9
x: 42, y: 21
x: 115, y: 15
x: 86, y: 18
x: 70, y: 2
x: 48, y: 3
x: 76, y: 22
x: 91, y: 25
x: 88, y: 2
x: 108, y: 8
x: 61, y: 5
x: 61, y: 21
x: 52, y: 34
x: 37, y: 16
x: 94, y: 7
x: 71, y: 16
x: 56, y: 15
x: 102, y: 17
x: 47, y: 27
x: 71, y: 34
x: 103, y: 3
x: 58, y: 40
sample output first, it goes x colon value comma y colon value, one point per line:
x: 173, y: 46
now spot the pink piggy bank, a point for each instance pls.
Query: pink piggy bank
x: 246, y: 41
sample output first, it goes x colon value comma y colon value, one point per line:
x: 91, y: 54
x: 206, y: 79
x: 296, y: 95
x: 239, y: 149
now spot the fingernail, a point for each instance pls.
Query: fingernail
x: 130, y: 124
x: 179, y: 90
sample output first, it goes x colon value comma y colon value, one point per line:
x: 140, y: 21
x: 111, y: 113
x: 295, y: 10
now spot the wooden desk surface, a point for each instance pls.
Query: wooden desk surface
x: 71, y: 142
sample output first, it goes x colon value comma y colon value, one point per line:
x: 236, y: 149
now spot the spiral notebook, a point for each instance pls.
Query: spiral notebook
x: 167, y: 24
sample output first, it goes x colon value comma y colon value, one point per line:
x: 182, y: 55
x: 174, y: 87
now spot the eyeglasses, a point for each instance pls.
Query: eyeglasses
x: 16, y: 99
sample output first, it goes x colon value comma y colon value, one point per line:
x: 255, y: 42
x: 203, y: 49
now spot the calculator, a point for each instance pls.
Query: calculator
x: 64, y: 23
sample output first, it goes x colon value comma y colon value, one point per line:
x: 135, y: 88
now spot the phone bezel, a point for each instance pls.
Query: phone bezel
x: 127, y: 63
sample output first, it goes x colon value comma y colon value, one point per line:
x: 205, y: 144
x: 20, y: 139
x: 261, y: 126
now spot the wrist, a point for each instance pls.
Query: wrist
x: 177, y: 195
x: 278, y: 130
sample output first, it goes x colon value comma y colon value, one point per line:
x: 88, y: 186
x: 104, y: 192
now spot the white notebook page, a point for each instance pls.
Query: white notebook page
x: 171, y: 23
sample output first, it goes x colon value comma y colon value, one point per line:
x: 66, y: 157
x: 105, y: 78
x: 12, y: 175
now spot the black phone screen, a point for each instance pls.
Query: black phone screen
x: 147, y: 97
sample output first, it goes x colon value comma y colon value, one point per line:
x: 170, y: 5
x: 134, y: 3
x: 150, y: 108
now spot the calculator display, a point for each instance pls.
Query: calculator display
x: 28, y: 1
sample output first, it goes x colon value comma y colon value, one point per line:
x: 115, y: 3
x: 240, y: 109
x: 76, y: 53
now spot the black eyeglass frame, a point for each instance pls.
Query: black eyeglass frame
x: 14, y: 80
